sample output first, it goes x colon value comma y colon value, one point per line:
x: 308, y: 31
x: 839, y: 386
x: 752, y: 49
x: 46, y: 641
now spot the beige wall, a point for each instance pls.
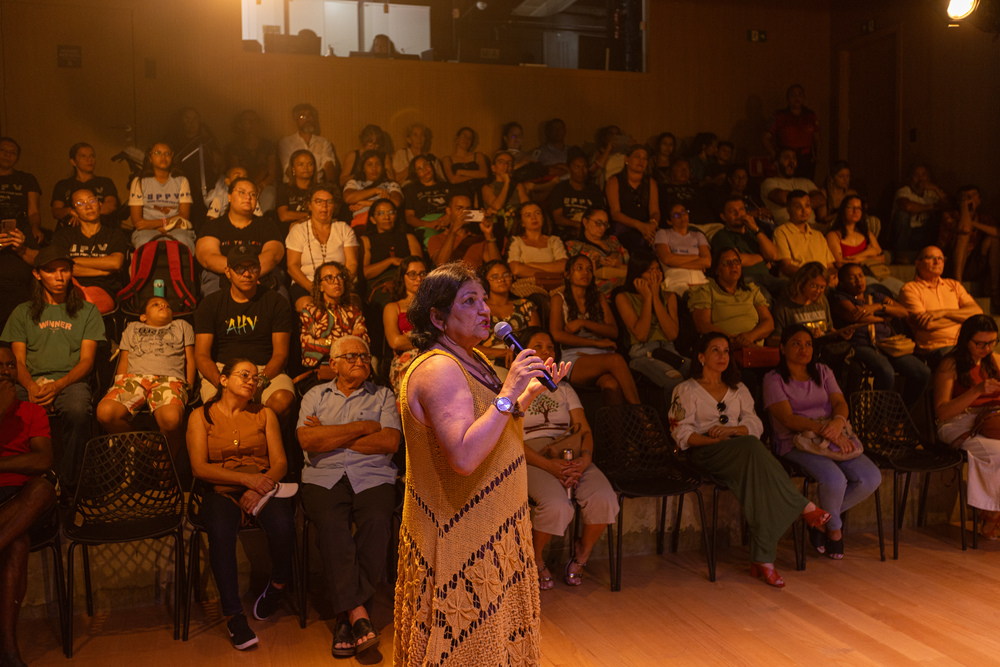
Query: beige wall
x: 703, y: 75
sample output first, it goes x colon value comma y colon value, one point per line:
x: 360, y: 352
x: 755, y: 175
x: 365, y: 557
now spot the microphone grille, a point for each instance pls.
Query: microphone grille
x: 501, y: 329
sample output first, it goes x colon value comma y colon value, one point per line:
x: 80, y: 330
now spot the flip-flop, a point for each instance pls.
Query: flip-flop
x: 342, y: 635
x: 361, y: 628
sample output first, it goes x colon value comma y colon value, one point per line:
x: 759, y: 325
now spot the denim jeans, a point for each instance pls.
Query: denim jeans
x: 73, y: 407
x: 916, y: 373
x: 841, y: 484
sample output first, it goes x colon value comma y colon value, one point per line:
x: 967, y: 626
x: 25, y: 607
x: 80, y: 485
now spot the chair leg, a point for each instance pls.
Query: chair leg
x: 611, y: 555
x: 86, y: 580
x: 878, y: 522
x: 68, y: 634
x: 662, y: 529
x: 676, y: 533
x: 902, y: 503
x: 193, y: 574
x: 922, y: 507
x: 715, y: 525
x: 178, y: 583
x: 194, y: 565
x: 60, y: 586
x: 704, y: 536
x: 975, y: 527
x: 617, y: 583
x: 961, y: 506
x: 895, y: 515
x: 304, y: 574
x: 798, y: 542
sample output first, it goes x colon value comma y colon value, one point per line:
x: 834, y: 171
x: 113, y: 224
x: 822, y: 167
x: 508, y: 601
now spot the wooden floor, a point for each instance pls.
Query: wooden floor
x: 937, y: 605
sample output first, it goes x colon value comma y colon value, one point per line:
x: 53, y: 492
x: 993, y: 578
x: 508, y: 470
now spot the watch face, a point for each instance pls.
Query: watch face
x: 503, y: 404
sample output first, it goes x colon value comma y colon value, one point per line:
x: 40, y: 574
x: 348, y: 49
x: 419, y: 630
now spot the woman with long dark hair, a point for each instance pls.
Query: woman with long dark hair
x: 372, y: 138
x: 410, y: 274
x: 292, y: 199
x: 851, y: 240
x: 804, y: 400
x: 534, y: 250
x: 712, y: 417
x: 634, y: 201
x: 966, y: 384
x: 84, y: 160
x: 604, y: 249
x: 160, y: 198
x: 369, y: 182
x: 581, y: 322
x: 504, y: 307
x: 235, y: 448
x: 466, y: 168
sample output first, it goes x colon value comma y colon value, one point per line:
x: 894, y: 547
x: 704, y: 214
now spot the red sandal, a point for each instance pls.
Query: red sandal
x: 769, y: 575
x: 816, y: 518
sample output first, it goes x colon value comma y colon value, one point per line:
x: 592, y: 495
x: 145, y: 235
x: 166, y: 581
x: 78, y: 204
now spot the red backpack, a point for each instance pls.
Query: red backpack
x: 166, y: 260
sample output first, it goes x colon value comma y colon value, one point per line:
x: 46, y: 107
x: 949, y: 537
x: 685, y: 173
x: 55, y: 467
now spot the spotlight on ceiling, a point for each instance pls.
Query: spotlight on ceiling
x: 481, y: 6
x: 961, y: 9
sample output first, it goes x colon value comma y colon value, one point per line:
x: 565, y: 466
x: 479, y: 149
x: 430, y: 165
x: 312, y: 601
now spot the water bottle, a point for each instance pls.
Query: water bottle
x: 158, y: 289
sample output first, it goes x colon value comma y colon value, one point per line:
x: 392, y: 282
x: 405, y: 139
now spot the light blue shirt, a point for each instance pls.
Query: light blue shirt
x: 368, y: 402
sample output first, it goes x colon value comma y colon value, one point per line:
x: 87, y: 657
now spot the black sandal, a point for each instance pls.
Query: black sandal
x: 361, y: 628
x: 835, y: 549
x: 817, y: 538
x: 342, y: 635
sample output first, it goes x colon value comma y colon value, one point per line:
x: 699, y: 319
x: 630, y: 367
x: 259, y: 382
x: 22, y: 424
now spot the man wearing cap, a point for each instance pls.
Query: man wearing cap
x: 245, y: 322
x: 54, y: 338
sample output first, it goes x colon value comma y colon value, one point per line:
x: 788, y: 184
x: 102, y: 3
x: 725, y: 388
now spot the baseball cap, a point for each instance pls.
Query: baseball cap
x: 50, y: 254
x: 241, y: 254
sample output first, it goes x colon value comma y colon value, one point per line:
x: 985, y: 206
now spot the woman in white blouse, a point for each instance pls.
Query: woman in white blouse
x: 712, y: 417
x: 317, y: 240
x: 533, y: 248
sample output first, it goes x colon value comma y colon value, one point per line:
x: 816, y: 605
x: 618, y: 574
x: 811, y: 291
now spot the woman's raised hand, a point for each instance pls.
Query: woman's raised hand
x: 643, y: 287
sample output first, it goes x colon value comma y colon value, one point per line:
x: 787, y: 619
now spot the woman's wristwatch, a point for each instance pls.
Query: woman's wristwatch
x: 507, y: 407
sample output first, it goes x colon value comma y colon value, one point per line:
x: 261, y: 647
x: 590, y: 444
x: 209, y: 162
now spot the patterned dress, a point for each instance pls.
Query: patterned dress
x: 467, y: 586
x: 322, y: 326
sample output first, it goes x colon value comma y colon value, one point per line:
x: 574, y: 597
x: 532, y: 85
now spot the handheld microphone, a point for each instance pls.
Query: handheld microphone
x: 503, y: 331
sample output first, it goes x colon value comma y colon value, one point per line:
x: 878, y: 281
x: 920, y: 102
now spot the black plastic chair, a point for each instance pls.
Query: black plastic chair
x: 45, y: 534
x: 637, y: 457
x: 193, y: 591
x: 882, y: 422
x: 127, y: 490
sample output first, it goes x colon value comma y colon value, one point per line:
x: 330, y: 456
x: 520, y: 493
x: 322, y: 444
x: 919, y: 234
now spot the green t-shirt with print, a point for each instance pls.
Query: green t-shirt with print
x: 53, y: 343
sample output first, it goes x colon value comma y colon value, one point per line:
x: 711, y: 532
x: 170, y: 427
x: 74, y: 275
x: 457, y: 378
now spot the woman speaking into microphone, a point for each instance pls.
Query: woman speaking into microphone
x: 467, y: 586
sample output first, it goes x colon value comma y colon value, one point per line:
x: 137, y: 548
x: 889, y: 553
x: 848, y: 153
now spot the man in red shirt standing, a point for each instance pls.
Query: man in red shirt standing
x: 25, y: 455
x: 795, y: 126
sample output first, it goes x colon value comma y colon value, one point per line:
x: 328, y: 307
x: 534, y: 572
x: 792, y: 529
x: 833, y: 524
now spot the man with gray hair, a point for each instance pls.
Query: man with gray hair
x: 349, y: 429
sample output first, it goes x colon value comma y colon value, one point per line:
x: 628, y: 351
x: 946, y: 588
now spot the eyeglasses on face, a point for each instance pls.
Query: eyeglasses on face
x: 334, y: 278
x: 352, y: 357
x: 497, y: 277
x: 597, y: 222
x: 677, y: 215
x: 246, y: 269
x: 86, y: 202
x: 247, y: 376
x: 251, y: 194
x: 984, y: 344
x: 723, y: 417
x: 414, y: 275
x: 730, y: 263
x: 322, y: 202
x: 159, y: 153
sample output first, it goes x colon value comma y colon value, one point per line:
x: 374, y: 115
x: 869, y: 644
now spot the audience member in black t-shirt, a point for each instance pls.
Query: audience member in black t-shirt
x: 424, y: 198
x: 239, y: 227
x: 20, y: 195
x: 257, y: 155
x: 571, y: 198
x: 245, y: 322
x: 18, y: 248
x: 292, y: 203
x: 84, y: 160
x: 98, y: 250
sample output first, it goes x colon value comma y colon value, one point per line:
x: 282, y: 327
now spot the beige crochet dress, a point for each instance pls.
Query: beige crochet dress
x: 467, y: 591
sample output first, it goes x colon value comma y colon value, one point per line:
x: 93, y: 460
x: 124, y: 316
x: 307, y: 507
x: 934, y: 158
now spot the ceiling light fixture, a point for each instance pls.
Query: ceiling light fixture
x: 961, y: 9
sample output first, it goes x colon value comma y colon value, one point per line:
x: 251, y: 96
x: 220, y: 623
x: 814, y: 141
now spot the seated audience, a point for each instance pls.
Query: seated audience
x: 855, y: 303
x: 976, y: 254
x: 20, y: 194
x: 851, y: 240
x: 838, y: 186
x: 512, y: 142
x: 245, y: 322
x: 25, y: 495
x: 240, y: 228
x: 582, y: 323
x: 735, y: 185
x: 683, y: 252
x: 552, y: 154
x: 608, y: 157
x: 704, y: 149
x: 797, y: 242
x: 18, y: 248
x: 156, y: 367
x: 292, y: 200
x: 372, y: 138
x: 729, y: 305
x: 333, y: 312
x: 54, y: 337
x: 318, y: 240
x: 84, y: 161
x: 425, y: 198
x: 238, y: 478
x: 678, y: 188
x: 805, y: 402
x: 570, y: 199
x: 160, y: 200
x: 534, y: 251
x: 553, y: 423
x: 634, y: 201
x: 967, y: 384
x: 385, y: 243
x: 410, y: 274
x: 307, y: 137
x: 198, y: 156
x: 218, y: 198
x: 504, y: 307
x: 649, y: 312
x: 916, y: 211
x: 97, y: 250
x: 661, y: 153
x: 744, y: 234
x: 797, y: 127
x: 417, y: 142
x: 776, y: 190
x: 471, y: 242
x: 804, y: 303
x: 369, y: 182
x: 712, y: 418
x: 466, y: 169
x: 936, y: 306
x: 502, y: 196
x: 610, y: 258
x: 257, y: 155
x: 349, y: 429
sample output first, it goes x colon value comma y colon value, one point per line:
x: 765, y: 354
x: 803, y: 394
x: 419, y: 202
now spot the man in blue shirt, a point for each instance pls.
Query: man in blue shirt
x: 349, y: 429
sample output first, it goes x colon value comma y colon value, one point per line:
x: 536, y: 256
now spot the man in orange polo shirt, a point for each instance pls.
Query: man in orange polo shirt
x: 937, y: 306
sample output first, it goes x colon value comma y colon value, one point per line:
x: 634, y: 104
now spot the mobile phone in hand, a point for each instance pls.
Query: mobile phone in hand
x: 475, y: 215
x: 8, y: 225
